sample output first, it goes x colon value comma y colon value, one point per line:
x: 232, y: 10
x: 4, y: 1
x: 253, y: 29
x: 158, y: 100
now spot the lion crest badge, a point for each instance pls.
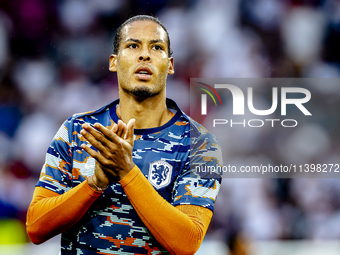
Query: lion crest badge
x: 160, y: 174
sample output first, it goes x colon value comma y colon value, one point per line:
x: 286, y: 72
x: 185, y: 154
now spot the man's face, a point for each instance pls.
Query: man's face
x: 142, y: 63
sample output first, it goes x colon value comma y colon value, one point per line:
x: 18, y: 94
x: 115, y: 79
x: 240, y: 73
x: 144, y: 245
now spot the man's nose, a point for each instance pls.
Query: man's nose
x: 144, y: 56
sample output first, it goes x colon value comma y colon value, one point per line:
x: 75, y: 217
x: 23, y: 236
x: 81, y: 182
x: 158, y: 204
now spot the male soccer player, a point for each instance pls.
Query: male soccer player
x: 116, y: 188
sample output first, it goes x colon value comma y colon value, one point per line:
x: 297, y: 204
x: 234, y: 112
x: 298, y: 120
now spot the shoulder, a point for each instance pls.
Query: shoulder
x: 91, y: 116
x: 198, y: 129
x: 97, y: 112
x: 199, y: 133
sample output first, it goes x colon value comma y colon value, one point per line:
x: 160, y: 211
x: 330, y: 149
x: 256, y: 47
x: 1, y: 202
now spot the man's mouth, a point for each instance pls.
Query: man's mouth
x: 143, y: 73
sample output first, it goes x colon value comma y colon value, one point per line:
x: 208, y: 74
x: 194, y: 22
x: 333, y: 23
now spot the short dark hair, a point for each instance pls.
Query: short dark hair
x: 117, y: 39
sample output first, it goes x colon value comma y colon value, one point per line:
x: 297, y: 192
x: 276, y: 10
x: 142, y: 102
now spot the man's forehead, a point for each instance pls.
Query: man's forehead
x: 142, y: 28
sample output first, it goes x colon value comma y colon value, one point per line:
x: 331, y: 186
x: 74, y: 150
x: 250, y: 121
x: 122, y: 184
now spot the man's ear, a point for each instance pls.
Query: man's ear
x: 171, y: 69
x: 113, y: 63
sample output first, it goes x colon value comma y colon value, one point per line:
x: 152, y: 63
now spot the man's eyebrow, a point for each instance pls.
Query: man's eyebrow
x: 139, y: 41
x: 157, y: 41
x: 133, y: 40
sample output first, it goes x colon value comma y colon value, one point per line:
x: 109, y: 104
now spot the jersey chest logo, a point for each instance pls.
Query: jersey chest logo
x: 160, y: 174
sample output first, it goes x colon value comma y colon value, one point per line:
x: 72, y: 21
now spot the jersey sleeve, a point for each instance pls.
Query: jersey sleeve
x: 56, y: 173
x: 192, y: 187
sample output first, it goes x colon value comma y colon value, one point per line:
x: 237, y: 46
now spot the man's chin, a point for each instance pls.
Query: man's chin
x: 142, y: 92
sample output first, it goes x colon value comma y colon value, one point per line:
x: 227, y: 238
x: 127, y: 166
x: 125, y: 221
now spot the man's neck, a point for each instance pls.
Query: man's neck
x: 148, y: 113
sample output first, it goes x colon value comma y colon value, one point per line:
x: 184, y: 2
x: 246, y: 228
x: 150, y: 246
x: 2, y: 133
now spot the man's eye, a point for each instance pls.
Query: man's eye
x: 158, y: 47
x: 132, y: 46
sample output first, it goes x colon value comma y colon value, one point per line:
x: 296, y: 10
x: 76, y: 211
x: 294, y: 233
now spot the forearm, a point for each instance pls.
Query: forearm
x: 179, y: 229
x: 50, y: 214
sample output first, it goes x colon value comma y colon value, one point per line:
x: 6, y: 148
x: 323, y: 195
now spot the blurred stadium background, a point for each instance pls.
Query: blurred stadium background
x: 54, y: 62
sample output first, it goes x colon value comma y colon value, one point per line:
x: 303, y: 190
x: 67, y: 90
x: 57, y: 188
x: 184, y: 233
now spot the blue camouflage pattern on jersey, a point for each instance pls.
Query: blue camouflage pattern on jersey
x: 111, y: 225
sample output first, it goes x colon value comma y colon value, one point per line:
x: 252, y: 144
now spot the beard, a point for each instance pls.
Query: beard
x: 143, y: 92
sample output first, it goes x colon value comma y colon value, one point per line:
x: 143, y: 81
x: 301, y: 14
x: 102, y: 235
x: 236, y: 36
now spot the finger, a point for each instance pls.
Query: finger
x: 121, y: 129
x: 99, y: 136
x: 90, y: 151
x: 129, y: 133
x: 111, y: 136
x: 92, y: 130
x: 93, y: 141
x: 94, y: 154
x: 114, y: 128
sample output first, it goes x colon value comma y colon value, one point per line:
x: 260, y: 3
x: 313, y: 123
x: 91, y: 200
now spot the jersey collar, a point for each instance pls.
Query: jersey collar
x: 170, y: 104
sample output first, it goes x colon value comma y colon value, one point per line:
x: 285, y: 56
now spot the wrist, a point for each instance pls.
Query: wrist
x: 94, y: 184
x: 130, y: 167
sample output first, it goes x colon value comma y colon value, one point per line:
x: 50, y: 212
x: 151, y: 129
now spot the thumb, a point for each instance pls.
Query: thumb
x: 129, y: 133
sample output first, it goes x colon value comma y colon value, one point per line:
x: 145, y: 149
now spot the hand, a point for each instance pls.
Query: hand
x: 114, y: 155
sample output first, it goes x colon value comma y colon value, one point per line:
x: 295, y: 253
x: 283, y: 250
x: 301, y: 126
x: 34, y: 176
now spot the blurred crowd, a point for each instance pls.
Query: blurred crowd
x: 54, y: 63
